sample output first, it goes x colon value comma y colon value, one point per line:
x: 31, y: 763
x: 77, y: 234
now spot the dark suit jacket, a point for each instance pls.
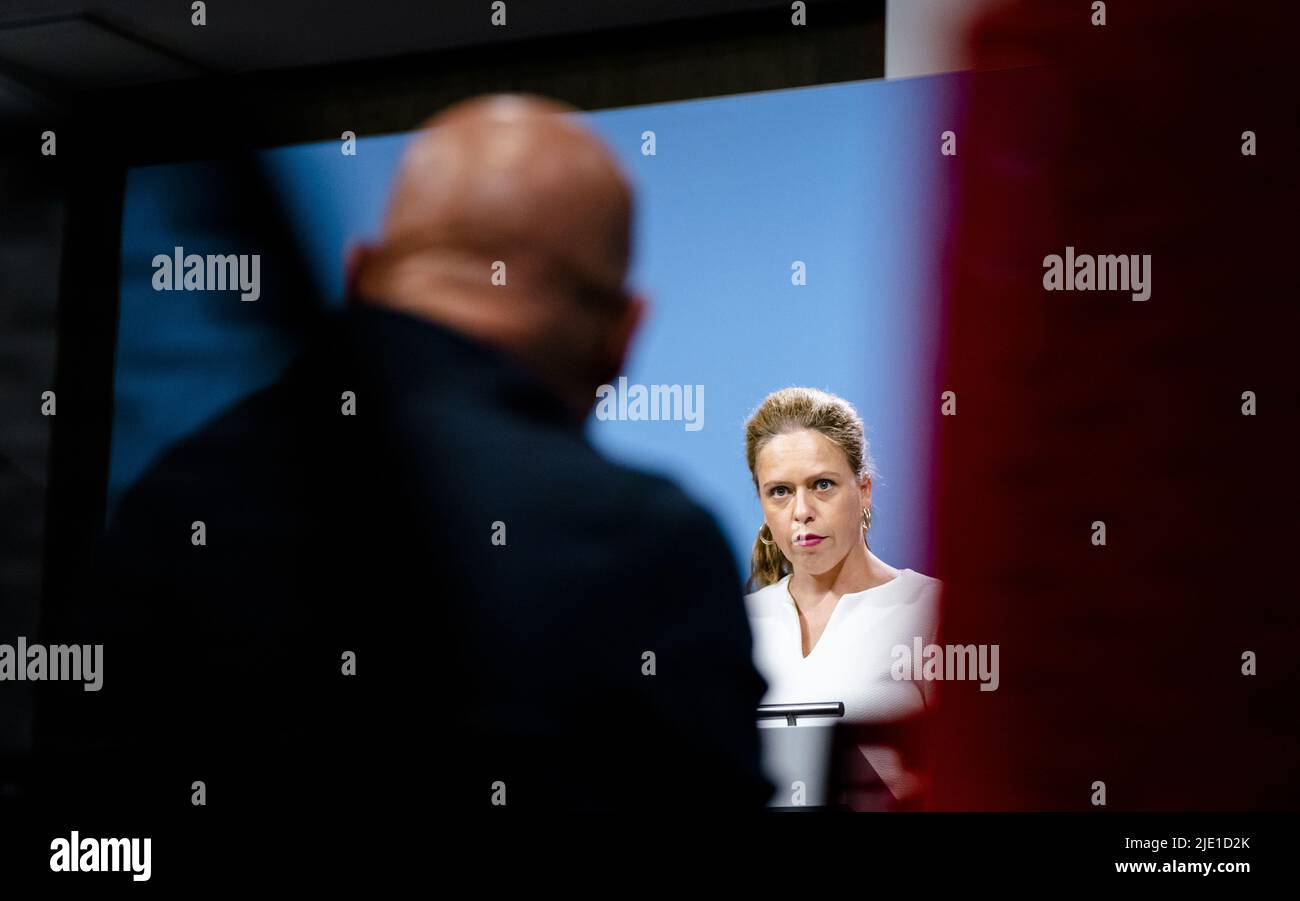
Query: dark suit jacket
x: 485, y: 669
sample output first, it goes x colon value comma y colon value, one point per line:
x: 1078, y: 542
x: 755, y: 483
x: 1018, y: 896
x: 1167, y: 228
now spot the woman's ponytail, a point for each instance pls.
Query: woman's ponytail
x: 768, y: 564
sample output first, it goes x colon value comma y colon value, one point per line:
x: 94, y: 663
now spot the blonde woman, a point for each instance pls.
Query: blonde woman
x: 826, y: 612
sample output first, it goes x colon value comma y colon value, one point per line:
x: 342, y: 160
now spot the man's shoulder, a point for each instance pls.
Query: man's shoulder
x: 607, y: 487
x: 248, y: 450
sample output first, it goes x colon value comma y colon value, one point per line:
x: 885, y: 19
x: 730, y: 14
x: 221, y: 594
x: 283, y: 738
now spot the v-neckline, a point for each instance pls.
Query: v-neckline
x: 826, y: 628
x: 830, y: 619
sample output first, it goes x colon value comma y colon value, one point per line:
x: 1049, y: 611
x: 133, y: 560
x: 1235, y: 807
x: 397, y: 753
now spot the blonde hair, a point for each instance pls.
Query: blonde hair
x: 789, y: 410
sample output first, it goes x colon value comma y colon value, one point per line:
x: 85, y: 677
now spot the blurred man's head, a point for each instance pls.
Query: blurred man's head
x: 511, y: 223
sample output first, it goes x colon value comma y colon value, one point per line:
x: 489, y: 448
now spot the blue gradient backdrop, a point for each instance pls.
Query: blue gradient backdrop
x: 847, y: 178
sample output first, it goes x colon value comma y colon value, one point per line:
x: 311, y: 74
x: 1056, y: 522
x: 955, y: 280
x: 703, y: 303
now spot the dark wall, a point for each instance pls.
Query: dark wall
x: 31, y: 238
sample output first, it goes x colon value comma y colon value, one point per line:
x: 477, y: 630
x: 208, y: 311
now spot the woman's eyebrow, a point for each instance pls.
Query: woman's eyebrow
x: 825, y: 474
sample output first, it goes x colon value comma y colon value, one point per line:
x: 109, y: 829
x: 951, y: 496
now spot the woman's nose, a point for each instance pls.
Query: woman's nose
x: 803, y: 510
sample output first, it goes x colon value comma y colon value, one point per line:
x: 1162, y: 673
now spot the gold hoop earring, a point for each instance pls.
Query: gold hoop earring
x: 767, y: 541
x: 867, y: 516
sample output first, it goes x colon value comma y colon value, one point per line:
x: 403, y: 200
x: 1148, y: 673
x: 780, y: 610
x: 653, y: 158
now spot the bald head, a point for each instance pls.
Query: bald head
x: 512, y: 186
x: 517, y: 171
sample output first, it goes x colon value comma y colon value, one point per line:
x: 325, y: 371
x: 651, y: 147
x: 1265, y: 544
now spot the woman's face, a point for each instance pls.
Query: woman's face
x: 812, y: 501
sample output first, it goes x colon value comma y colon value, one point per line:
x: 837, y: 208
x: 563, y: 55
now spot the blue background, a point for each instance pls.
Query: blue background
x: 846, y: 178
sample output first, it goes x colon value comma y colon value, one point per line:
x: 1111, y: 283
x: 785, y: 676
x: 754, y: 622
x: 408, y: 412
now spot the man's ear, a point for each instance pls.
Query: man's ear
x: 358, y: 255
x: 629, y: 322
x: 617, y: 340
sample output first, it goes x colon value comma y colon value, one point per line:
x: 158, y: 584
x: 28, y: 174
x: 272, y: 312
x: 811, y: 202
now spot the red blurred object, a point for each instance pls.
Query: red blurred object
x: 1123, y: 663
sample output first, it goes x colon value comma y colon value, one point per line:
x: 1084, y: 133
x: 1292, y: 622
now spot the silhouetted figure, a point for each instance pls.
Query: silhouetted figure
x: 530, y: 622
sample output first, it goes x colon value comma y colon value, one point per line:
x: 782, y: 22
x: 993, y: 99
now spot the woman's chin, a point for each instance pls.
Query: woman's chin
x: 812, y: 561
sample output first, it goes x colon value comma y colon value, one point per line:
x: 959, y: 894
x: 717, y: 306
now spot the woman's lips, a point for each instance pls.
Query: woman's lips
x: 808, y: 540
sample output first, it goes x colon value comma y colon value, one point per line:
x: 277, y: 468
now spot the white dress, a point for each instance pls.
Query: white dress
x: 852, y: 660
